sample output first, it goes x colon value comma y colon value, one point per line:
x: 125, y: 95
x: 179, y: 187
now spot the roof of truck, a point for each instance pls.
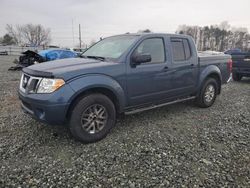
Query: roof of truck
x: 154, y: 34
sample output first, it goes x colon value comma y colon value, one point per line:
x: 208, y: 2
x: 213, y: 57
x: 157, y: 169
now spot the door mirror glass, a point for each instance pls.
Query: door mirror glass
x: 138, y: 59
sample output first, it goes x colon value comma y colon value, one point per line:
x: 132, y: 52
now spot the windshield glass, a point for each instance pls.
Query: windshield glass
x: 112, y: 47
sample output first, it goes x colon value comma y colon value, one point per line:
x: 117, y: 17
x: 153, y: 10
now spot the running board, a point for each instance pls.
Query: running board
x: 157, y: 106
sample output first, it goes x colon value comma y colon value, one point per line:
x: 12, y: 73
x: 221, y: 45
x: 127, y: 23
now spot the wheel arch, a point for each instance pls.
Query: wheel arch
x: 97, y: 84
x: 217, y: 78
x: 102, y: 90
x: 211, y: 72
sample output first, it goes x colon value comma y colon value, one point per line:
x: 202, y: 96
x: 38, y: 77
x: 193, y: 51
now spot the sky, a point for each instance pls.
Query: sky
x: 102, y: 18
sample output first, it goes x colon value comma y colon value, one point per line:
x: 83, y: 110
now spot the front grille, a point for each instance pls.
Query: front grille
x: 29, y: 83
x: 25, y: 81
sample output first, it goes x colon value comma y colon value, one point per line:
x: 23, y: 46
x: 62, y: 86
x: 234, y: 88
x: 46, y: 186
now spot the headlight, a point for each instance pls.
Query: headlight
x: 49, y: 85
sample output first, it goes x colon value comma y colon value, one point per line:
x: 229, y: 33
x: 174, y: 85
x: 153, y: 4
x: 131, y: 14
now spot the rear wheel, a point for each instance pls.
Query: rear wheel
x: 237, y: 77
x: 208, y: 93
x: 92, y: 118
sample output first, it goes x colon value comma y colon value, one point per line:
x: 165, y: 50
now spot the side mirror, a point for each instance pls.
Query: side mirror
x: 140, y: 58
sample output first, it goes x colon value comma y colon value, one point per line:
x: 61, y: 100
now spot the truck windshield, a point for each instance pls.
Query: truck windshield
x: 112, y: 47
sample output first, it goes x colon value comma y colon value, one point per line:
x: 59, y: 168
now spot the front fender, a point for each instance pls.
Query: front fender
x: 209, y: 70
x: 87, y: 82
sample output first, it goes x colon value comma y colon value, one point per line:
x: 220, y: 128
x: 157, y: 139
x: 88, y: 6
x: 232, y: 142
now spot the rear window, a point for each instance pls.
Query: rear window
x: 181, y: 49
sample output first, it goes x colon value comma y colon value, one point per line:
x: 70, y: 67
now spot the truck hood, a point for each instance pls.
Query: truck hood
x: 73, y: 67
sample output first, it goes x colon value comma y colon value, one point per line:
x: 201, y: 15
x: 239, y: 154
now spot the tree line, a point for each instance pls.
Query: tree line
x: 28, y: 34
x: 220, y: 37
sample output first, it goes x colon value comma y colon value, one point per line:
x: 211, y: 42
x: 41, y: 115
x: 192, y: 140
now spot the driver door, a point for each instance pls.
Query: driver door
x: 148, y: 82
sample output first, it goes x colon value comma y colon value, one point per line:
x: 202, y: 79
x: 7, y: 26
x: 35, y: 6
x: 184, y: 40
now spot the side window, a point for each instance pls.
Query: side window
x: 154, y: 47
x: 181, y: 49
x: 178, y: 50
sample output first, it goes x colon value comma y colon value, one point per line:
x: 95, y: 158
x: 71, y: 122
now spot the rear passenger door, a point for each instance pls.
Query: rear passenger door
x: 184, y: 66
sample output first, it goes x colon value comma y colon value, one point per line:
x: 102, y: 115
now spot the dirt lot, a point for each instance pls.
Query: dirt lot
x: 178, y: 145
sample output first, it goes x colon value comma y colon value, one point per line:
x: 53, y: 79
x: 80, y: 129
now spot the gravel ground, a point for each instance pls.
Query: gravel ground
x: 174, y: 146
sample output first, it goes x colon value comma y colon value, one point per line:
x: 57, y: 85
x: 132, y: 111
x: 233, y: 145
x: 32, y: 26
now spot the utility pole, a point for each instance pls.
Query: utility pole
x: 80, y: 37
x: 73, y: 33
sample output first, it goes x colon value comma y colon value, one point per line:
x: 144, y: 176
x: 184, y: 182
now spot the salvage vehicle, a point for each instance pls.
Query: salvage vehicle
x: 241, y: 64
x: 29, y: 57
x: 122, y: 74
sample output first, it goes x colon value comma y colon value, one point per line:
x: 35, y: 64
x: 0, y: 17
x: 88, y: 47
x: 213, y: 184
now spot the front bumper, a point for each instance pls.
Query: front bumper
x: 47, y: 108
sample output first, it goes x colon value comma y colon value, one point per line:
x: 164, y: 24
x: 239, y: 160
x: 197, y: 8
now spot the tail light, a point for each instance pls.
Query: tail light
x: 230, y: 65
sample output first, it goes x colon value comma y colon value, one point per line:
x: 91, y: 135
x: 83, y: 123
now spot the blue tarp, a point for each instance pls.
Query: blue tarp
x: 53, y: 54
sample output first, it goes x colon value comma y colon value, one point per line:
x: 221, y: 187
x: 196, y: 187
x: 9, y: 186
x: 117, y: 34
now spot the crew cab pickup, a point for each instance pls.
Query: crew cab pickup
x: 241, y: 64
x: 121, y: 74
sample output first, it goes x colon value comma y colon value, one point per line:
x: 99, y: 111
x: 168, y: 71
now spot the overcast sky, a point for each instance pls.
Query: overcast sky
x: 107, y: 17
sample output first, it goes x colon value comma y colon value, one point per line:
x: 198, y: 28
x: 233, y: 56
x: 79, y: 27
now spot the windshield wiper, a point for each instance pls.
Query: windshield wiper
x: 94, y: 57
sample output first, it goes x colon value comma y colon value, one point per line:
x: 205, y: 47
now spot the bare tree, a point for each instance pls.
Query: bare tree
x: 15, y: 33
x: 224, y: 25
x: 35, y: 35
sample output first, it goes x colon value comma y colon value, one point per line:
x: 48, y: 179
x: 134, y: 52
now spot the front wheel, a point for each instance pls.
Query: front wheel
x: 92, y: 118
x: 208, y: 93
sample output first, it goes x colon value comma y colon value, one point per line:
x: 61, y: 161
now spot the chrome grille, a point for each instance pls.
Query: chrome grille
x: 25, y: 80
x: 29, y: 84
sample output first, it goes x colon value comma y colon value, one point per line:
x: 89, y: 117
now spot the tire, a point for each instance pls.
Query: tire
x: 237, y: 77
x: 208, y: 93
x: 92, y: 118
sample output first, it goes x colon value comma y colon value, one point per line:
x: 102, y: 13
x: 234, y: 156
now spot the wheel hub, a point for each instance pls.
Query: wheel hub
x: 209, y: 93
x: 94, y: 118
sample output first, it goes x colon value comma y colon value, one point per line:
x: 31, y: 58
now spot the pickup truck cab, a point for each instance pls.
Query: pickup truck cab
x: 121, y: 74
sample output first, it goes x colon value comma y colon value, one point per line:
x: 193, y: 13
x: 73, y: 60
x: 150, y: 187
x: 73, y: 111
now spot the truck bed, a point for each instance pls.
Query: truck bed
x: 218, y: 59
x: 210, y: 55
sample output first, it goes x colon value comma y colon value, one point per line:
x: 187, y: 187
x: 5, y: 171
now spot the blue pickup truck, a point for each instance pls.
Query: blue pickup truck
x: 121, y: 74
